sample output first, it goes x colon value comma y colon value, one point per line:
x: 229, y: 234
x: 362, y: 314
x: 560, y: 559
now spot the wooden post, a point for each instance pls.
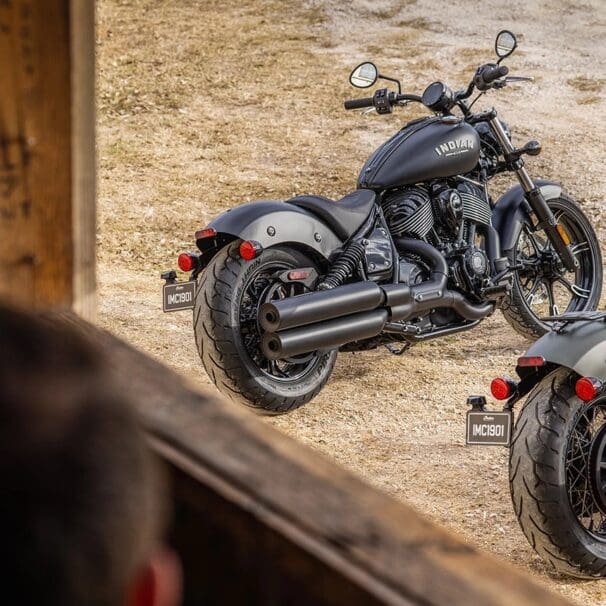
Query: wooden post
x: 47, y: 153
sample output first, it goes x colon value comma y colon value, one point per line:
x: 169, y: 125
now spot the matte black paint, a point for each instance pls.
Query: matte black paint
x: 508, y: 213
x: 413, y: 154
x: 323, y: 335
x: 344, y: 216
x: 321, y: 305
x: 271, y: 222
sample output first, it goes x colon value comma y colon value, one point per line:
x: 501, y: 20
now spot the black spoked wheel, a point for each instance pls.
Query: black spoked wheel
x: 230, y: 292
x: 542, y: 286
x: 558, y: 476
x: 260, y: 288
x: 586, y: 469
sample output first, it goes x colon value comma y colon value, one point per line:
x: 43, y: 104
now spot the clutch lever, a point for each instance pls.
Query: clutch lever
x: 369, y: 110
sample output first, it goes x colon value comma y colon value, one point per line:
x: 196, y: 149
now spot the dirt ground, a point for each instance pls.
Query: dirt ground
x: 203, y: 105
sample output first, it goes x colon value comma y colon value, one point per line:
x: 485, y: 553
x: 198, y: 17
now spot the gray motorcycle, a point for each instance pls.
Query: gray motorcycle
x: 557, y: 465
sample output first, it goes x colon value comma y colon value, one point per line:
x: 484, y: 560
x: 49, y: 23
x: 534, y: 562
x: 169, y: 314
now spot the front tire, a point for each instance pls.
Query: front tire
x: 557, y: 449
x: 229, y: 293
x: 543, y: 287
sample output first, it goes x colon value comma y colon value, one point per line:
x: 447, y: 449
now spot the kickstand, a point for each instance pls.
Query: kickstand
x: 397, y: 351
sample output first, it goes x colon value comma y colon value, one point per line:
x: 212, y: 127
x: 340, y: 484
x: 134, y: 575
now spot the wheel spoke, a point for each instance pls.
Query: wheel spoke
x: 574, y: 289
x: 579, y: 248
x: 531, y: 295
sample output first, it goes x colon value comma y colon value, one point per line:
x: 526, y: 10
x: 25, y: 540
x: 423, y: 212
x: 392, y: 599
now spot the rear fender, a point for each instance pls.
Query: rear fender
x: 580, y: 346
x: 510, y: 211
x: 271, y: 223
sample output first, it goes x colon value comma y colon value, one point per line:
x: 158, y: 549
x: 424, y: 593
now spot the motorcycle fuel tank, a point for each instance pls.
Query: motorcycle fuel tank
x: 430, y: 148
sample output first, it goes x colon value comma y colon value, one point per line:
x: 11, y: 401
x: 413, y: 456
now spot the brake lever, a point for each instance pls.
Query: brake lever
x: 369, y: 110
x: 519, y: 79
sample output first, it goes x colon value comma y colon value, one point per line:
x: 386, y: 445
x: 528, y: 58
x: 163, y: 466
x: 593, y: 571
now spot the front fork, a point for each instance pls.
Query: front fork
x: 556, y: 233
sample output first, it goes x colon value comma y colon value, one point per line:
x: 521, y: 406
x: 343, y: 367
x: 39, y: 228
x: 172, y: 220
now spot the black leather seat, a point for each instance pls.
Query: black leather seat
x: 344, y: 216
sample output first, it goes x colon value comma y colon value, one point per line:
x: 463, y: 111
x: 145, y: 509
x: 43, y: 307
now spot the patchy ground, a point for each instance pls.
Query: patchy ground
x: 205, y: 105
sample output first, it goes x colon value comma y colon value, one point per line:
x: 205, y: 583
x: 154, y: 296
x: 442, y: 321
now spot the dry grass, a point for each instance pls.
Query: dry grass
x: 203, y: 105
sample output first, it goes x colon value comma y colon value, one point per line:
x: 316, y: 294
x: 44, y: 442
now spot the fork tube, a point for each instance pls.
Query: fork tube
x: 535, y: 198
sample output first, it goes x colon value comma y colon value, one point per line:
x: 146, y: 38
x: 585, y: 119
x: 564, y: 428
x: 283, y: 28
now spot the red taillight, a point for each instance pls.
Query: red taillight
x: 209, y: 232
x: 187, y: 261
x: 249, y: 249
x: 503, y: 388
x: 587, y: 388
x: 531, y: 361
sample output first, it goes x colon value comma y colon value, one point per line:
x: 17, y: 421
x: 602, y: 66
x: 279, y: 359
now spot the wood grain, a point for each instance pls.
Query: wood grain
x: 39, y: 229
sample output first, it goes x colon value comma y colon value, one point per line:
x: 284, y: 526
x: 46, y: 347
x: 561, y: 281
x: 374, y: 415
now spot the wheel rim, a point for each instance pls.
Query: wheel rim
x: 586, y: 469
x: 547, y: 288
x: 259, y: 288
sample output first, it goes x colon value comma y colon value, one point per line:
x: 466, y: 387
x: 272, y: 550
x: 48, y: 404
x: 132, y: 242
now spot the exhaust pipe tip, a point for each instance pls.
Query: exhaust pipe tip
x: 269, y: 318
x: 271, y: 346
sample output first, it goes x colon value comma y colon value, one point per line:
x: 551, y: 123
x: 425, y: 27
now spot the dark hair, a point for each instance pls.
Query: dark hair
x: 80, y: 505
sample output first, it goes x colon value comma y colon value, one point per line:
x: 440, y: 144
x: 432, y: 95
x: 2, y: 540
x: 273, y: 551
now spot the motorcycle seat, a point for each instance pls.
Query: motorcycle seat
x: 344, y: 216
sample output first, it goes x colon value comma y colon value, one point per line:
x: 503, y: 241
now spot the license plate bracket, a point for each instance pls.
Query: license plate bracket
x: 489, y: 427
x: 178, y: 296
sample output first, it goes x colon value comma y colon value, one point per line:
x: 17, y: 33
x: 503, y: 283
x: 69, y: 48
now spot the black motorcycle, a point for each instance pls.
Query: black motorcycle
x: 418, y: 251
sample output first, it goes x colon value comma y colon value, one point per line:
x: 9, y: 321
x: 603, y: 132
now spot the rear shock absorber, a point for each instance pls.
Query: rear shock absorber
x: 343, y: 267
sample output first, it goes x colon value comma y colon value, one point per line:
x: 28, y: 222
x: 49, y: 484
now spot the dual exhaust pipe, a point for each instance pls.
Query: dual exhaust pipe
x: 330, y: 318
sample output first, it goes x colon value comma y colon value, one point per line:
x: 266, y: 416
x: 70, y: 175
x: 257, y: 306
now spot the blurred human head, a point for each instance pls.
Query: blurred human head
x: 82, y: 513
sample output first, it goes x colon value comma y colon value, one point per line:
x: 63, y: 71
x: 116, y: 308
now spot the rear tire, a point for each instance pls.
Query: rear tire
x: 542, y: 488
x: 227, y: 344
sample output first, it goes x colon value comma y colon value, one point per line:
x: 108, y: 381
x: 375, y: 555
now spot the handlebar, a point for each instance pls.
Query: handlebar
x: 487, y: 74
x: 437, y: 96
x: 359, y: 103
x: 392, y: 99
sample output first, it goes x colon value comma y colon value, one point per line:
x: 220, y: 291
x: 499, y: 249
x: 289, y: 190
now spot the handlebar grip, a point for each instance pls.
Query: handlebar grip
x: 493, y: 73
x: 359, y: 103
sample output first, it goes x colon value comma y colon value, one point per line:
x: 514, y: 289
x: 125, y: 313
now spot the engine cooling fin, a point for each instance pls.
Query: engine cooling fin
x: 409, y: 212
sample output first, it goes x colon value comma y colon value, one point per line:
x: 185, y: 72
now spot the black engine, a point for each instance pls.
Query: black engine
x: 450, y: 217
x: 416, y: 211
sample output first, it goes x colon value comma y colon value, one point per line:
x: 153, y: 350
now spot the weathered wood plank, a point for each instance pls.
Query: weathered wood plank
x: 263, y: 519
x: 84, y: 219
x: 40, y: 231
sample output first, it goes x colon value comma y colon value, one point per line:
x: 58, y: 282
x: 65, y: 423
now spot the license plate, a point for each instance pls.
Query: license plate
x: 178, y: 296
x: 489, y: 428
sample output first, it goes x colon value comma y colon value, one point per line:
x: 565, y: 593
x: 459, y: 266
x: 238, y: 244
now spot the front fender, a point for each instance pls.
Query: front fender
x: 580, y: 346
x: 271, y: 222
x: 509, y: 212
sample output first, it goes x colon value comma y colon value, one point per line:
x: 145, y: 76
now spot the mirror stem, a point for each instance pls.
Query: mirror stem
x: 391, y: 80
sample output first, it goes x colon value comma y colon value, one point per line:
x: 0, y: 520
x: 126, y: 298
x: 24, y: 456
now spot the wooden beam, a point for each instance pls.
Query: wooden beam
x: 44, y: 164
x: 263, y: 519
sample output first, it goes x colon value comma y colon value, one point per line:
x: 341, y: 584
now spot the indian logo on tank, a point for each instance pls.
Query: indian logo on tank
x: 454, y: 147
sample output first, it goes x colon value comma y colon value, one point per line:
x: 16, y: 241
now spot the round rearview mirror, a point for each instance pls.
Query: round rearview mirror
x: 364, y: 75
x: 505, y: 44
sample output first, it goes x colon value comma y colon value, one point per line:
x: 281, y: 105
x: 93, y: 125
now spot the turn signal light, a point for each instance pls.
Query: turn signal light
x: 531, y: 361
x: 209, y: 232
x: 503, y: 388
x: 250, y: 249
x: 187, y: 261
x: 563, y: 234
x: 587, y: 388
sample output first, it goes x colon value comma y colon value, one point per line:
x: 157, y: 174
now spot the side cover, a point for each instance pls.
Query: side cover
x: 270, y: 223
x: 580, y: 346
x: 509, y: 211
